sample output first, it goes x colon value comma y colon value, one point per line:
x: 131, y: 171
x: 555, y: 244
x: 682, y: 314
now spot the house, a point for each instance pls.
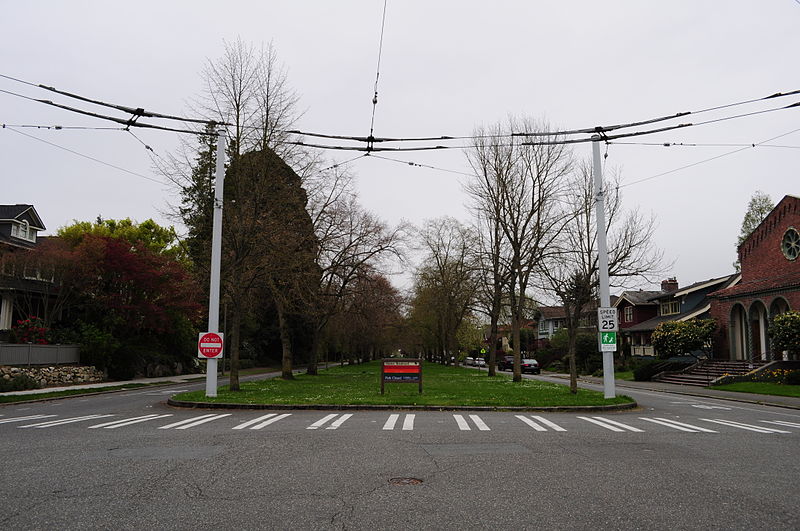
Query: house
x: 553, y: 318
x: 634, y: 307
x: 770, y: 285
x: 19, y: 228
x: 671, y: 304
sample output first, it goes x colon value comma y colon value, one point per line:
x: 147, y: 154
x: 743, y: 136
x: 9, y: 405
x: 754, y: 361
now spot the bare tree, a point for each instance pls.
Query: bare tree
x: 572, y: 271
x: 520, y: 182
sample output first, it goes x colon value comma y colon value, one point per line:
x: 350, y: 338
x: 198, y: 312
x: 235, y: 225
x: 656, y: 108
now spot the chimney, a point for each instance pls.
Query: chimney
x: 670, y: 284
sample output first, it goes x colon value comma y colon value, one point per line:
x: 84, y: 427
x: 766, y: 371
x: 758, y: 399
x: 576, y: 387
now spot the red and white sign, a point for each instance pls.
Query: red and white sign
x: 209, y: 345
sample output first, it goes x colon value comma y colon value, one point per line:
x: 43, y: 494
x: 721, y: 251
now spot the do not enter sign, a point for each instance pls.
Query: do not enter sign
x: 209, y: 345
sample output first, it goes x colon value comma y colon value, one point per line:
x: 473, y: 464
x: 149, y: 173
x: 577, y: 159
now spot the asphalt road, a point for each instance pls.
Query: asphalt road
x: 128, y: 461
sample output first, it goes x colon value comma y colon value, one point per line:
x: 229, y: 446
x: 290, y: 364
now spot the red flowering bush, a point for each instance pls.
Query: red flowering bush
x: 30, y: 330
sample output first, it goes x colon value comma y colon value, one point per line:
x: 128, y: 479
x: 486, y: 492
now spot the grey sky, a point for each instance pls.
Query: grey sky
x: 447, y: 66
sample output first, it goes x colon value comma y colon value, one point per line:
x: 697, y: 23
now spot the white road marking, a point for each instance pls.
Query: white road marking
x: 783, y: 423
x: 621, y: 425
x: 462, y: 424
x: 546, y: 422
x: 391, y: 421
x: 21, y: 419
x: 322, y: 421
x: 127, y: 422
x: 194, y: 421
x: 608, y: 424
x: 479, y: 423
x: 704, y: 406
x: 29, y: 417
x: 270, y: 421
x: 678, y: 425
x: 531, y: 423
x: 408, y: 422
x: 338, y: 422
x: 254, y: 421
x: 52, y: 423
x: 749, y: 427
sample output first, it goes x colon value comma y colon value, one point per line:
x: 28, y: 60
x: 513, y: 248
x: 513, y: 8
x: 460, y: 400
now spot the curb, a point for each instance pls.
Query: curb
x: 374, y: 407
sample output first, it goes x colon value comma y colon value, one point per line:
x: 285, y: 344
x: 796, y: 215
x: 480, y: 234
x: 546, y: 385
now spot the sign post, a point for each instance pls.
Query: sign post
x: 401, y: 370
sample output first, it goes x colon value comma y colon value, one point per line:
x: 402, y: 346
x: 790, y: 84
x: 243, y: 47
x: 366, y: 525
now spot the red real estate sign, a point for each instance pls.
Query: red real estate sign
x: 401, y: 370
x: 209, y: 345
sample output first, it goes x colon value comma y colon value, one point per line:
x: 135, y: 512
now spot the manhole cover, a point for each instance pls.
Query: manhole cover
x: 405, y: 481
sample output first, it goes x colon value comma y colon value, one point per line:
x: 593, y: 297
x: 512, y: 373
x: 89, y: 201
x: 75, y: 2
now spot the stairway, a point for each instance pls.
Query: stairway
x: 702, y: 374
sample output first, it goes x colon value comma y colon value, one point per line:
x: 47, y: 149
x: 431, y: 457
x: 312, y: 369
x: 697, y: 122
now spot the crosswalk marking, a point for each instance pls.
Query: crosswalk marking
x: 127, y: 422
x: 749, y: 427
x: 22, y: 419
x: 536, y: 422
x: 546, y: 422
x: 408, y: 422
x: 612, y: 425
x: 194, y: 421
x: 51, y: 423
x: 322, y: 421
x: 531, y: 423
x: 260, y: 422
x: 253, y: 421
x: 778, y: 422
x: 678, y: 425
x: 463, y: 425
x: 391, y: 421
x: 338, y: 422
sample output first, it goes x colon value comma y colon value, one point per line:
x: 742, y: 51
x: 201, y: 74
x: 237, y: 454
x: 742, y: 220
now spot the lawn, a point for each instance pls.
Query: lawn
x: 442, y: 386
x: 761, y: 388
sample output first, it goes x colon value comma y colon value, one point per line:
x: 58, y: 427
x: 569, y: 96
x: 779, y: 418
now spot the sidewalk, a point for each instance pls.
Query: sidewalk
x: 148, y: 381
x: 750, y: 398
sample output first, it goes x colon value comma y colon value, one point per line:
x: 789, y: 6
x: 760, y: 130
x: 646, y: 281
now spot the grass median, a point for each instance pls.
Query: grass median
x: 359, y: 385
x: 761, y: 388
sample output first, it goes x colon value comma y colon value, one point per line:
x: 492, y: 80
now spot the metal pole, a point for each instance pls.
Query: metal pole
x: 216, y: 258
x: 609, y: 390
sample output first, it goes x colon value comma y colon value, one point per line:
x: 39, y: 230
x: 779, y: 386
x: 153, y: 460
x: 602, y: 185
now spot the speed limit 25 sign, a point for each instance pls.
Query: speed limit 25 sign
x: 607, y: 320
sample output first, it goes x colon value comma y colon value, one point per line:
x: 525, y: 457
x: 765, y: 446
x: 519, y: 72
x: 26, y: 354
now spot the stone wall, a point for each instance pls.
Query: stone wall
x: 55, y: 376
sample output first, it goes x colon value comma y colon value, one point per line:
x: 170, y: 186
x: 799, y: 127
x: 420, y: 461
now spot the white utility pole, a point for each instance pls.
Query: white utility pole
x: 216, y: 259
x: 609, y: 390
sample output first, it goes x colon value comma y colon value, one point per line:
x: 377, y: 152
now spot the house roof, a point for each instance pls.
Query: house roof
x: 726, y: 281
x: 15, y: 212
x: 552, y: 312
x: 638, y: 298
x: 789, y: 281
x: 651, y: 324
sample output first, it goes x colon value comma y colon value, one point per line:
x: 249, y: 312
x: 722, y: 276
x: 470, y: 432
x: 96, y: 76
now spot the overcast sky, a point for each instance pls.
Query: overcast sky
x: 447, y: 66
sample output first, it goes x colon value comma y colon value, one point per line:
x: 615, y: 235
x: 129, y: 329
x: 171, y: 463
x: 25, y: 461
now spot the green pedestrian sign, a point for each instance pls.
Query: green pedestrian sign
x: 608, y: 341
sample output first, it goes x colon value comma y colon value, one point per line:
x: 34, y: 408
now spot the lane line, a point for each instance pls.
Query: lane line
x: 462, y: 424
x: 21, y: 419
x: 692, y: 426
x: 254, y: 421
x: 391, y: 421
x: 408, y: 422
x: 338, y: 422
x: 546, y: 422
x: 757, y: 429
x: 602, y: 424
x: 322, y: 421
x: 184, y: 421
x: 51, y: 423
x: 270, y: 421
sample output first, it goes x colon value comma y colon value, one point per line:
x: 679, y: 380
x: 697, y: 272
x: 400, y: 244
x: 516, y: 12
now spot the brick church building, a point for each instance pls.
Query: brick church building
x: 770, y: 286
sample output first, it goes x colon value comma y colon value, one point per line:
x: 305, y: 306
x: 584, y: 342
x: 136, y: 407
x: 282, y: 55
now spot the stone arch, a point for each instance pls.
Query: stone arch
x: 758, y: 322
x: 778, y: 306
x: 738, y: 333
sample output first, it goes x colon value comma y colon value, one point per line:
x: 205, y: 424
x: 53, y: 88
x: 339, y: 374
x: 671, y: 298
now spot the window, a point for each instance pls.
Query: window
x: 670, y: 307
x: 628, y: 314
x: 542, y: 326
x: 23, y: 231
x: 790, y: 244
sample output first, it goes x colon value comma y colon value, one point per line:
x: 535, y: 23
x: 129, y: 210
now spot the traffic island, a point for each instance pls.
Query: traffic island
x: 445, y: 388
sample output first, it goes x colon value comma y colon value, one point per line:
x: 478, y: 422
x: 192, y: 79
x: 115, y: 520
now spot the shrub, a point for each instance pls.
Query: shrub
x: 793, y: 378
x: 20, y: 382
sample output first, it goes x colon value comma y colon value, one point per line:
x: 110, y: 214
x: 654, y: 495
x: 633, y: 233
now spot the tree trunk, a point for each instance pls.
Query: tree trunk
x: 515, y: 337
x: 286, y: 342
x: 572, y: 340
x: 316, y: 344
x: 235, y: 326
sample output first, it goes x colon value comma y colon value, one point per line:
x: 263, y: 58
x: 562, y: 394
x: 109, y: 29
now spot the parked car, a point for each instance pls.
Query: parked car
x: 480, y: 362
x: 505, y: 363
x: 531, y: 366
x: 469, y: 361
